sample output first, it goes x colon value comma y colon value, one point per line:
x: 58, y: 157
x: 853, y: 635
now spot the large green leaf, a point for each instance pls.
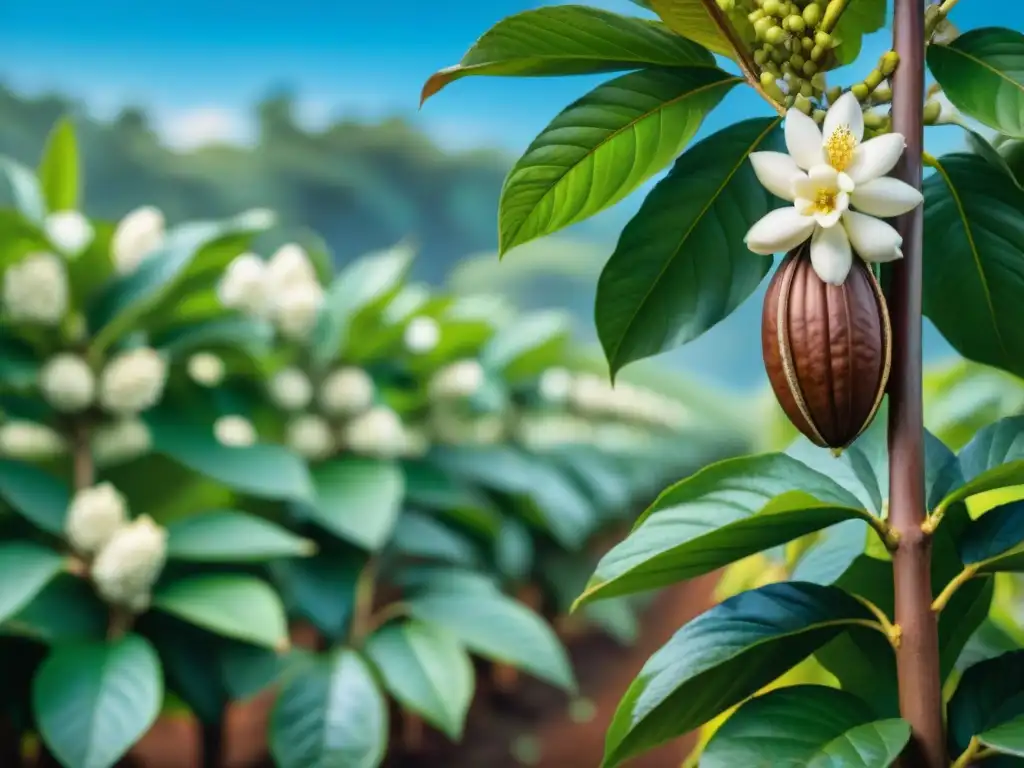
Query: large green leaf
x: 427, y: 671
x: 995, y: 541
x: 602, y: 147
x: 982, y: 73
x: 692, y: 19
x: 240, y: 607
x: 428, y: 486
x: 809, y: 726
x: 65, y: 610
x: 331, y: 714
x: 725, y: 655
x: 422, y: 537
x: 983, y: 148
x: 93, y: 702
x: 38, y: 496
x: 988, y: 696
x: 358, y: 499
x: 59, y: 169
x: 570, y: 40
x: 497, y: 627
x: 228, y: 536
x: 27, y: 568
x: 974, y: 241
x: 993, y: 459
x: 681, y: 265
x: 25, y: 189
x: 858, y: 19
x: 321, y: 589
x: 528, y: 345
x: 720, y: 515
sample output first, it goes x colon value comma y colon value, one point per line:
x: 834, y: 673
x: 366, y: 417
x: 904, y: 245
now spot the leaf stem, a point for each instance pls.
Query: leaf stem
x: 974, y: 752
x: 362, y: 612
x: 968, y: 573
x: 890, y: 536
x: 890, y: 630
x: 934, y: 520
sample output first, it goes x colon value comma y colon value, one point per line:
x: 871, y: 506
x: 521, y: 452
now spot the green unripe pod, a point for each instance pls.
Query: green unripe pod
x: 860, y: 91
x: 824, y: 39
x: 889, y: 63
x: 796, y: 23
x: 807, y: 43
x: 833, y: 94
x: 767, y: 79
x: 932, y: 110
x: 812, y: 15
x: 797, y: 61
x: 803, y: 104
x: 775, y: 35
x: 819, y: 116
x: 874, y: 79
x: 810, y: 69
x: 761, y: 27
x: 760, y: 57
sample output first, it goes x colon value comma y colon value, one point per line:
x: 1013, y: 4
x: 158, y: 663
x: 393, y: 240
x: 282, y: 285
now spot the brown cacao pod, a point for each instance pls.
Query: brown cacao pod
x: 827, y: 348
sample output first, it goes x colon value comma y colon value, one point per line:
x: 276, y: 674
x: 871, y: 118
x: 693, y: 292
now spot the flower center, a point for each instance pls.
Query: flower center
x: 825, y: 201
x: 839, y: 148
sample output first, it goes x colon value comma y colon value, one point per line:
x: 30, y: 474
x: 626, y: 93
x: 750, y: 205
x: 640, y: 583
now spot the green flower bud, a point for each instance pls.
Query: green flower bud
x: 819, y: 116
x: 932, y: 110
x: 787, y: 68
x: 812, y: 15
x: 775, y: 35
x: 778, y: 55
x: 727, y: 5
x: 797, y: 61
x: 817, y: 53
x: 889, y: 63
x: 860, y: 91
x: 772, y: 67
x: 811, y: 69
x: 824, y: 39
x: 755, y: 15
x: 873, y: 120
x: 874, y: 79
x: 833, y: 94
x: 796, y: 23
x: 882, y: 95
x: 790, y: 100
x: 803, y: 104
x: 806, y: 89
x: 767, y: 79
x: 807, y: 43
x: 772, y: 7
x: 761, y: 27
x: 775, y: 92
x: 760, y: 57
x: 818, y: 81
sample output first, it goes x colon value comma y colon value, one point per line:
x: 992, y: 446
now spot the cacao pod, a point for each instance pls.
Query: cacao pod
x: 827, y: 348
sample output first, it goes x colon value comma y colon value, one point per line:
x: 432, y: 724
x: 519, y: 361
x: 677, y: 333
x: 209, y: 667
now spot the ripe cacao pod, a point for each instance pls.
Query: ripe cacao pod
x: 827, y: 348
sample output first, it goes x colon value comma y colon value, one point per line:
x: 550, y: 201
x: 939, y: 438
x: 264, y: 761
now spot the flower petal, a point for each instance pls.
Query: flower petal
x: 781, y: 230
x: 830, y: 254
x: 776, y: 171
x: 885, y: 197
x: 844, y: 113
x: 803, y: 140
x: 872, y: 238
x: 876, y: 157
x: 845, y: 182
x: 825, y: 177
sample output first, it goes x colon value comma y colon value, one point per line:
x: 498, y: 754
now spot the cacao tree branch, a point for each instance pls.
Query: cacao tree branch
x: 892, y: 631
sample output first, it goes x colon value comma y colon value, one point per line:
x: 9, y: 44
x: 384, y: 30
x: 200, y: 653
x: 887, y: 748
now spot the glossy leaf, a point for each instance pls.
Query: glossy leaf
x: 331, y: 713
x: 723, y: 656
x: 228, y: 536
x: 604, y: 146
x: 321, y: 589
x: 806, y: 725
x: 983, y: 148
x: 692, y: 20
x: 860, y: 18
x: 681, y: 265
x: 25, y: 189
x: 430, y: 487
x: 988, y: 696
x: 27, y: 568
x: 528, y: 345
x: 423, y: 537
x: 93, y: 702
x: 38, y: 496
x: 722, y: 514
x: 66, y: 610
x: 993, y: 459
x: 570, y: 40
x: 358, y: 499
x: 427, y: 671
x: 982, y: 73
x: 59, y: 172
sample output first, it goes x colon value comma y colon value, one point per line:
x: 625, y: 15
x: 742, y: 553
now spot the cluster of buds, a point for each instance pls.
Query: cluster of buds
x: 595, y: 398
x: 457, y: 413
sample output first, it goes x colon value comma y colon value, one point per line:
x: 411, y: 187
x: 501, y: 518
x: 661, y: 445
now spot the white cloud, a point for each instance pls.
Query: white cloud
x: 196, y: 126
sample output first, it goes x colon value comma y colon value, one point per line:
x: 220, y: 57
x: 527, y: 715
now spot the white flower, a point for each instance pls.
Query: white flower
x: 555, y: 385
x: 296, y: 308
x: 824, y: 175
x: 126, y: 568
x: 289, y: 267
x: 346, y: 392
x: 591, y: 394
x: 310, y: 437
x: 133, y: 381
x: 244, y: 285
x: 379, y: 432
x: 94, y: 516
x: 121, y: 441
x: 206, y: 369
x: 458, y: 380
x: 234, y: 431
x: 422, y: 335
x: 36, y: 289
x: 137, y: 235
x: 67, y: 383
x: 29, y: 440
x: 290, y: 389
x: 69, y: 232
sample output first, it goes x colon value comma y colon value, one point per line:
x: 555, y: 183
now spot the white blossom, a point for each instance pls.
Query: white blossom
x: 823, y: 175
x: 206, y: 369
x: 244, y: 286
x: 379, y: 432
x: 540, y: 431
x: 422, y: 335
x: 121, y: 441
x: 93, y: 517
x: 69, y: 232
x: 290, y: 267
x: 138, y: 234
x: 234, y: 431
x: 296, y: 308
x: 310, y: 437
x: 290, y: 389
x: 29, y: 440
x: 458, y: 380
x: 346, y: 392
x: 67, y: 383
x: 591, y: 394
x: 36, y: 289
x: 126, y: 568
x: 555, y: 385
x: 452, y: 427
x: 133, y: 381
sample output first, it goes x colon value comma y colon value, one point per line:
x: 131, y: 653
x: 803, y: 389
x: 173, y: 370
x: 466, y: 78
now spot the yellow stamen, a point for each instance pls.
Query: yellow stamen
x: 825, y: 202
x: 839, y: 148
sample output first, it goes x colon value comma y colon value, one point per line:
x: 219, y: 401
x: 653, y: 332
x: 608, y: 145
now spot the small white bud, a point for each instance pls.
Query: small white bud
x: 206, y: 369
x: 290, y: 267
x: 346, y: 392
x: 310, y: 437
x: 296, y: 309
x: 555, y: 385
x: 458, y: 380
x: 422, y: 335
x: 133, y: 381
x: 69, y: 232
x: 244, y: 286
x: 290, y: 389
x: 67, y: 383
x: 138, y: 234
x: 121, y: 441
x: 94, y: 516
x: 36, y: 289
x: 256, y: 218
x: 379, y: 432
x: 126, y: 568
x: 590, y: 394
x: 234, y: 431
x: 29, y: 440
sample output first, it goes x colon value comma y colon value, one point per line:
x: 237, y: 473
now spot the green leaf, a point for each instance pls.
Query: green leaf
x: 428, y: 486
x: 330, y: 714
x: 602, y: 147
x: 65, y: 610
x: 513, y: 550
x: 995, y: 541
x: 321, y: 589
x: 93, y: 702
x: 569, y: 40
x: 498, y: 628
x: 722, y: 514
x: 988, y: 696
x: 261, y: 471
x: 982, y: 73
x: 860, y: 18
x: 983, y: 148
x: 692, y: 20
x: 725, y: 655
x: 681, y: 265
x: 975, y: 237
x: 528, y: 345
x: 219, y: 333
x: 25, y: 189
x: 59, y: 172
x: 19, y: 364
x: 227, y: 536
x: 358, y: 499
x: 27, y: 568
x: 806, y: 725
x: 39, y: 497
x: 427, y: 671
x: 993, y: 459
x: 235, y: 606
x: 421, y: 536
